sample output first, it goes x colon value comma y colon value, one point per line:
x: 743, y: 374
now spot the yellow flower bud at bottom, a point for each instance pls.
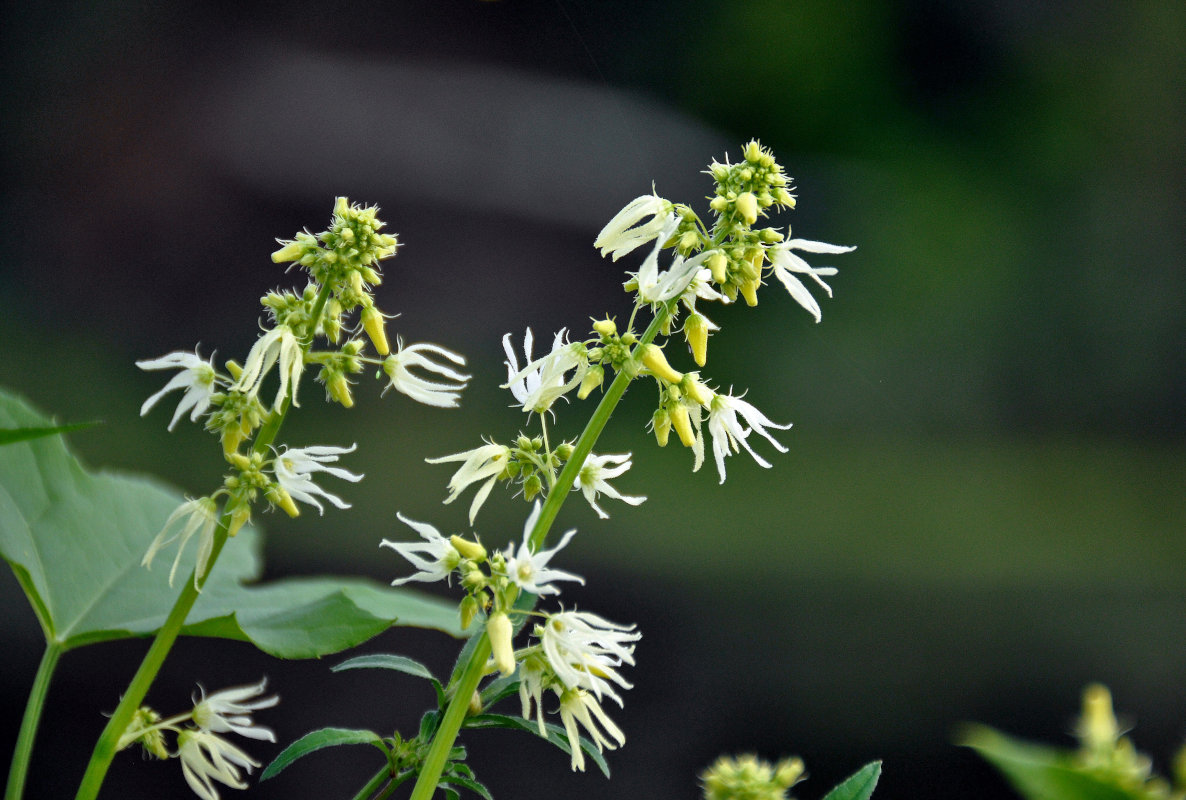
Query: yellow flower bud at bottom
x: 468, y: 610
x: 498, y: 628
x: 239, y: 518
x: 749, y: 290
x: 339, y: 389
x: 661, y: 424
x: 372, y: 323
x: 653, y: 359
x: 682, y: 422
x: 284, y: 500
x: 696, y: 332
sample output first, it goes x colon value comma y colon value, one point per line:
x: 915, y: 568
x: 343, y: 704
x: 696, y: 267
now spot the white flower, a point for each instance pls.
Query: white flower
x: 201, y: 517
x: 656, y: 287
x: 293, y: 467
x: 206, y: 757
x: 399, y: 364
x: 575, y: 706
x: 442, y: 559
x: 278, y: 344
x: 628, y: 230
x: 198, y: 378
x: 483, y: 463
x: 701, y: 288
x: 784, y: 262
x: 585, y: 650
x: 728, y: 432
x: 533, y: 672
x: 529, y: 571
x: 595, y: 474
x: 227, y: 711
x: 541, y: 382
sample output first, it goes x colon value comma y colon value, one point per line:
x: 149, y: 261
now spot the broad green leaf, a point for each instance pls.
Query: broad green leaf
x: 859, y: 785
x: 556, y: 734
x: 75, y: 539
x: 397, y: 663
x: 1037, y: 772
x: 319, y: 740
x: 13, y: 435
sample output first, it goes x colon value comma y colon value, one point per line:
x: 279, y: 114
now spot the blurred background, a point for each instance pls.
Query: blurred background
x: 982, y: 508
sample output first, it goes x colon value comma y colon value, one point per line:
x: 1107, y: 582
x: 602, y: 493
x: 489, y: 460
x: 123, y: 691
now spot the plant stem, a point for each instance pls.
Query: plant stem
x: 373, y: 785
x: 24, y: 741
x: 471, y: 676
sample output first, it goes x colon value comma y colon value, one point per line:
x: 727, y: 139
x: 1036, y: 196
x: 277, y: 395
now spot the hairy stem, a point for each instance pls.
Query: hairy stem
x: 471, y: 675
x: 24, y: 743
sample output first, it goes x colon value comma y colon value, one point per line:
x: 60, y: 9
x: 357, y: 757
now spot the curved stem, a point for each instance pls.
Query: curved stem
x: 471, y: 676
x: 24, y: 742
x: 373, y: 784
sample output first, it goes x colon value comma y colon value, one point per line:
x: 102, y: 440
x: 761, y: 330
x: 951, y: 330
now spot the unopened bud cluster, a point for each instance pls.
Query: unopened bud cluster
x: 749, y: 778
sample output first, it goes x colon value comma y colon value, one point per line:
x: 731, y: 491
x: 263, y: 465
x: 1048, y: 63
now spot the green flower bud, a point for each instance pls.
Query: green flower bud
x: 592, y: 380
x: 498, y: 628
x: 471, y: 550
x: 747, y: 206
x: 468, y: 610
x: 606, y: 328
x: 532, y: 486
x: 661, y: 424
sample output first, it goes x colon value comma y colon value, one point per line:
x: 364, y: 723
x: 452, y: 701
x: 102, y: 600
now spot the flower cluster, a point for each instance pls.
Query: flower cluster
x: 576, y: 655
x: 304, y: 329
x: 206, y: 756
x: 751, y: 778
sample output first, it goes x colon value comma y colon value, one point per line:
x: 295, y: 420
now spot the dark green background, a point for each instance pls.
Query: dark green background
x: 982, y: 508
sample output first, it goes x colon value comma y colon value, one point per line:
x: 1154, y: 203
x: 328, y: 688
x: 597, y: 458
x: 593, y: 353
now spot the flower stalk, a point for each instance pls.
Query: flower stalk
x: 29, y: 722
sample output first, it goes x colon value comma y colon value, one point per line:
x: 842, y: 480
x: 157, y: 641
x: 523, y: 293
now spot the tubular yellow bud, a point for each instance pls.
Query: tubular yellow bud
x: 372, y: 323
x: 284, y: 500
x: 749, y: 290
x: 1098, y: 729
x: 332, y: 320
x: 718, y: 204
x: 498, y: 628
x: 471, y: 550
x: 592, y: 380
x: 718, y: 264
x: 682, y: 422
x: 747, y: 206
x: 468, y: 610
x: 605, y: 327
x: 661, y: 424
x: 753, y: 152
x: 696, y: 332
x: 339, y: 389
x: 770, y: 236
x: 239, y: 517
x: 231, y: 439
x: 688, y: 240
x: 289, y: 252
x: 788, y: 772
x: 356, y: 283
x: 235, y: 370
x: 697, y: 391
x: 653, y: 359
x: 239, y: 461
x: 370, y: 276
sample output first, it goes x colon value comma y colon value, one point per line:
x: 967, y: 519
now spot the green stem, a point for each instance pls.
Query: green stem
x: 471, y: 676
x: 24, y: 741
x: 374, y: 784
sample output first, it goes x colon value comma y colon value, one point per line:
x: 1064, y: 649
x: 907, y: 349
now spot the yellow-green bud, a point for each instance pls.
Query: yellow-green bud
x: 475, y: 704
x: 753, y: 152
x: 370, y: 276
x: 769, y: 236
x: 339, y: 389
x: 532, y: 486
x: 153, y: 741
x: 688, y: 240
x: 498, y: 628
x: 749, y: 290
x: 332, y: 319
x: 235, y: 370
x: 682, y: 422
x: 239, y: 461
x: 661, y: 424
x: 785, y: 198
x: 718, y: 204
x: 1098, y: 729
x: 788, y: 772
x: 239, y: 517
x: 653, y: 359
x: 696, y: 332
x: 605, y: 328
x: 592, y: 380
x: 469, y: 609
x: 747, y: 206
x: 696, y: 390
x: 283, y: 499
x: 372, y: 323
x: 471, y: 550
x: 718, y: 264
x: 564, y: 451
x: 232, y: 437
x: 472, y: 577
x: 356, y: 283
x: 291, y: 251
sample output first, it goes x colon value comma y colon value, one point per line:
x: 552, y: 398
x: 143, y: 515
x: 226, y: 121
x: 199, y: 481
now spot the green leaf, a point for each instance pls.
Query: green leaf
x: 556, y: 734
x: 498, y: 689
x: 397, y: 663
x: 319, y: 740
x: 859, y: 785
x: 1037, y: 772
x: 465, y: 783
x: 13, y: 435
x: 74, y: 540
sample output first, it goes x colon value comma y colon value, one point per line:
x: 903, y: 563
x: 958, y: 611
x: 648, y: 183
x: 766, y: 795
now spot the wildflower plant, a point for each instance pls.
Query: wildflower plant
x: 568, y: 666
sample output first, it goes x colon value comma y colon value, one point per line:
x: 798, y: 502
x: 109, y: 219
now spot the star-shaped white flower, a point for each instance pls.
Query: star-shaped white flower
x: 541, y: 382
x: 578, y: 706
x: 657, y: 287
x: 279, y: 344
x: 485, y: 463
x: 294, y: 466
x: 630, y: 228
x: 230, y: 710
x: 784, y: 262
x: 529, y: 571
x: 200, y: 517
x: 197, y: 377
x: 442, y: 557
x: 594, y: 477
x: 585, y: 651
x: 206, y: 757
x: 399, y: 365
x: 729, y: 435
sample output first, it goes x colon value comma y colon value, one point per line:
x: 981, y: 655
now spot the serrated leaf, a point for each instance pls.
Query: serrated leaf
x: 1037, y: 772
x: 397, y: 663
x: 859, y: 785
x: 319, y: 740
x: 556, y: 734
x: 74, y: 540
x: 465, y: 783
x: 14, y: 435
